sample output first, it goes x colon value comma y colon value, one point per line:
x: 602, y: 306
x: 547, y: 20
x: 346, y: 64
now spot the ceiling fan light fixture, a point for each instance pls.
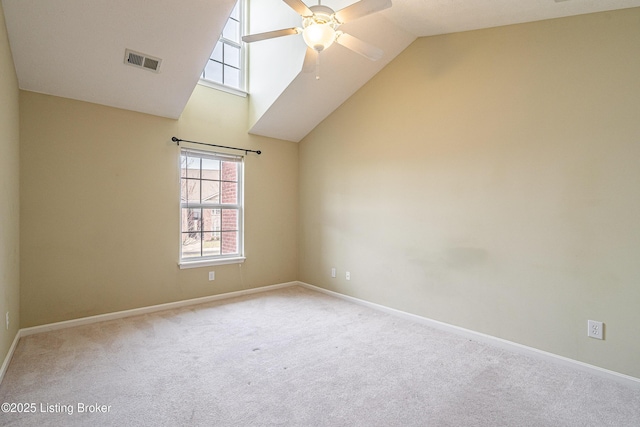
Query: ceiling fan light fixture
x: 319, y: 36
x: 320, y: 26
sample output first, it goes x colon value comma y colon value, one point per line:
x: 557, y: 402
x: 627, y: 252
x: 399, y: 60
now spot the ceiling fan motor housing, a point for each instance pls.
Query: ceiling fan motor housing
x: 319, y: 30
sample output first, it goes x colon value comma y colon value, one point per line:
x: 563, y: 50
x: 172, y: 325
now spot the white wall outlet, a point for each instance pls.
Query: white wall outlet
x: 347, y: 276
x: 595, y: 329
x: 212, y: 275
x: 7, y: 318
x: 333, y: 272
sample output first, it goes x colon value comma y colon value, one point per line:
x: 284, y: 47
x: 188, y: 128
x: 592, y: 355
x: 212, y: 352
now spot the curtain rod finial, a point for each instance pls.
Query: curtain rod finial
x: 176, y: 140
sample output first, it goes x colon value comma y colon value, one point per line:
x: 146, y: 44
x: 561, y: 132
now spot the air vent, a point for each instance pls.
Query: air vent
x: 141, y: 60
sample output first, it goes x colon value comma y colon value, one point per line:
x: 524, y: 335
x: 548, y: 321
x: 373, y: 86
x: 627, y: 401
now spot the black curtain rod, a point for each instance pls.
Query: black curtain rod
x: 178, y: 141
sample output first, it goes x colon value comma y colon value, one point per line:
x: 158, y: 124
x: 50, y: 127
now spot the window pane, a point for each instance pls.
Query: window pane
x: 211, y: 244
x: 191, y: 245
x: 190, y: 167
x: 183, y: 166
x: 210, y: 189
x: 232, y: 31
x: 216, y: 55
x: 211, y: 219
x: 190, y: 191
x: 231, y: 76
x: 211, y: 192
x: 191, y: 220
x: 229, y: 193
x: 230, y: 171
x: 235, y: 13
x: 229, y: 220
x: 229, y: 244
x: 231, y: 55
x: 183, y: 190
x: 213, y: 72
x: 210, y: 169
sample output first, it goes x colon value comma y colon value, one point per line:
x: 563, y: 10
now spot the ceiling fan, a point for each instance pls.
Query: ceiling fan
x: 320, y: 29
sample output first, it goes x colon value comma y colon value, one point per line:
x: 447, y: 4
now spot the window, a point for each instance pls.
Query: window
x: 211, y: 208
x: 226, y: 64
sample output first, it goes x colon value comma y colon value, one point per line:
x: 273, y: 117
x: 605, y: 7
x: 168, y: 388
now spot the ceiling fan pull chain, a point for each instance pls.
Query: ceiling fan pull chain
x: 318, y: 66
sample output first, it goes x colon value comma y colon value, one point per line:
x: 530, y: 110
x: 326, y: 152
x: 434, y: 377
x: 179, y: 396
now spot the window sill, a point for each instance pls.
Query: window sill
x: 210, y: 262
x: 223, y: 88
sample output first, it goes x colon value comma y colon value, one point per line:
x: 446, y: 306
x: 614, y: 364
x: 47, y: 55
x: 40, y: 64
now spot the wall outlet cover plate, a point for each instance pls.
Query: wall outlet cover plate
x: 595, y: 329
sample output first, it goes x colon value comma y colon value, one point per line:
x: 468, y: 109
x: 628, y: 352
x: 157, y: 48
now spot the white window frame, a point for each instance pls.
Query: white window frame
x: 241, y: 91
x: 203, y: 261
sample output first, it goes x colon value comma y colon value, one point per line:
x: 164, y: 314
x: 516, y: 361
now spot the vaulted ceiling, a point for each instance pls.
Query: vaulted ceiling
x: 76, y: 49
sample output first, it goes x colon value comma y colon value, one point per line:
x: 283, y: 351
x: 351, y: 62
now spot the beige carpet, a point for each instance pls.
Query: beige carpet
x: 294, y: 357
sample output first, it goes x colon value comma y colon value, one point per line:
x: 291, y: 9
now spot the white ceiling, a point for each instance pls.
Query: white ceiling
x: 431, y: 17
x: 342, y: 72
x: 75, y: 49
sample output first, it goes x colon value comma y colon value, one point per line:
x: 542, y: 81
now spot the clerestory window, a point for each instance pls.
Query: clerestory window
x: 226, y: 65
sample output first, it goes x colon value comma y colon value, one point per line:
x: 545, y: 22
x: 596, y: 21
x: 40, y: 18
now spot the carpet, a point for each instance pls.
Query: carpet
x: 293, y: 357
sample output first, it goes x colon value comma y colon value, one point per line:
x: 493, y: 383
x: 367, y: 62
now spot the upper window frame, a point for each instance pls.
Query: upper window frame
x: 240, y: 91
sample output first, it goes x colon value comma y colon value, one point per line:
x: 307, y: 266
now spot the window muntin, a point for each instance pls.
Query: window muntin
x: 211, y: 208
x: 226, y: 63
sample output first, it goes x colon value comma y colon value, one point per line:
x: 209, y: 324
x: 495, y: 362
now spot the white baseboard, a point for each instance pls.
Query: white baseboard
x: 128, y: 313
x: 488, y: 339
x: 7, y: 359
x: 149, y: 309
x: 476, y: 336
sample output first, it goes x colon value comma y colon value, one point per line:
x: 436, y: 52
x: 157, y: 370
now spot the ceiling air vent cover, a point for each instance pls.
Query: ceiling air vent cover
x: 142, y: 60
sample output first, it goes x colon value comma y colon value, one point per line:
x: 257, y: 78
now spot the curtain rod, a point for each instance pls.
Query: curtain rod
x: 178, y: 141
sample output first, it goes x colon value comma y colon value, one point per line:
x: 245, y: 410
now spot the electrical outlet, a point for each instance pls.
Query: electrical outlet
x: 595, y: 329
x: 347, y: 276
x: 7, y: 318
x: 333, y: 272
x: 212, y: 275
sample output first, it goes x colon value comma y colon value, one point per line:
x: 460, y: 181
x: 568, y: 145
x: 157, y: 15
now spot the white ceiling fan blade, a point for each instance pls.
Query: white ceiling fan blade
x: 360, y: 9
x: 269, y: 35
x: 300, y: 7
x: 355, y: 44
x: 310, y: 60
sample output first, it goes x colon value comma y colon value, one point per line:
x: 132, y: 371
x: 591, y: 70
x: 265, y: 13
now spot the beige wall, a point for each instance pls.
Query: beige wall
x: 100, y: 209
x: 9, y: 198
x: 491, y: 180
x: 486, y: 179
